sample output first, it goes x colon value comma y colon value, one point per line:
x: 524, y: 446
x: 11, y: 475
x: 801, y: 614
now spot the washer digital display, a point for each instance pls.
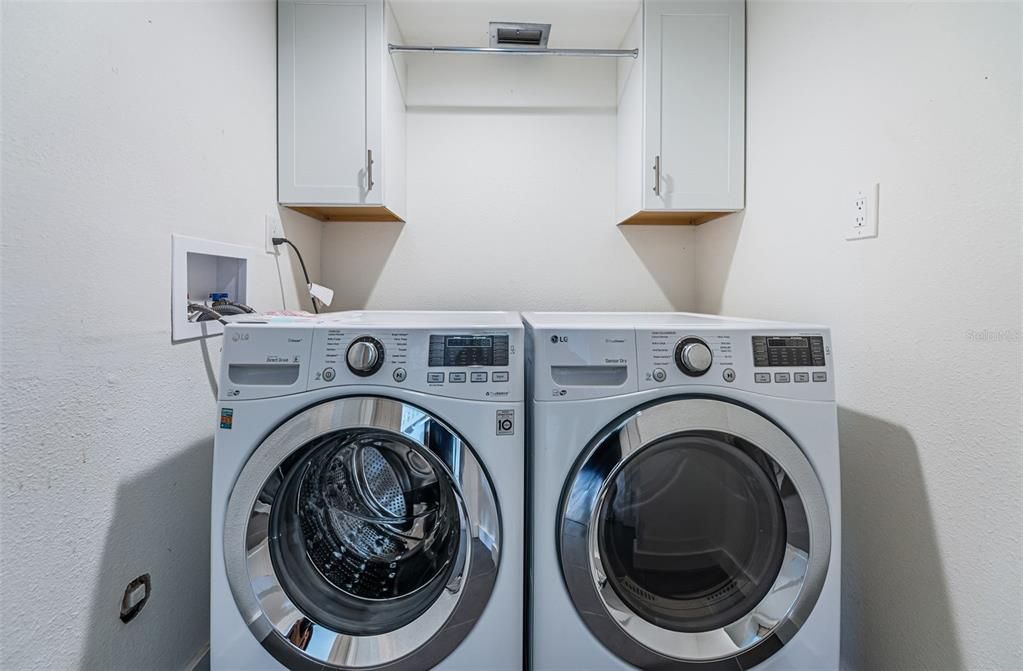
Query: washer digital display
x: 468, y: 350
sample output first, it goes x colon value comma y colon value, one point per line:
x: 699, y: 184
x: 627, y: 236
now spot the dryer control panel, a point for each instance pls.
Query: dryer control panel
x: 585, y: 356
x: 789, y: 363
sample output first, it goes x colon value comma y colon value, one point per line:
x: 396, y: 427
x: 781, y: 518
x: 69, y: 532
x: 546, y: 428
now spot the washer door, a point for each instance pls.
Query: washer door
x: 695, y: 532
x: 361, y: 531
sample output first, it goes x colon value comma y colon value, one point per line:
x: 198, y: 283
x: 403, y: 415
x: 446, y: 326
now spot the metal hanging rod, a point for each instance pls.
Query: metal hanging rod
x: 602, y: 53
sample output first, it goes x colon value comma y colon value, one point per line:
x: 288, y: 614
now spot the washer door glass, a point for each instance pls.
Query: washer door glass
x: 692, y: 531
x: 367, y: 531
x: 362, y: 533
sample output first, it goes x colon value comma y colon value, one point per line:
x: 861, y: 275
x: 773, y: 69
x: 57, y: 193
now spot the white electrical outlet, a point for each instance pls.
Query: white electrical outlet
x: 274, y: 229
x: 863, y: 215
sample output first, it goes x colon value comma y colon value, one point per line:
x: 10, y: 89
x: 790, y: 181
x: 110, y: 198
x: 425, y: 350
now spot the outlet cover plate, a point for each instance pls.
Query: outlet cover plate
x: 862, y: 222
x: 274, y: 229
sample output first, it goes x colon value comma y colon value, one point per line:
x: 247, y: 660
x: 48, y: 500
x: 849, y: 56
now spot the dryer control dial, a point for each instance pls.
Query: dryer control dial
x: 693, y: 357
x: 365, y: 356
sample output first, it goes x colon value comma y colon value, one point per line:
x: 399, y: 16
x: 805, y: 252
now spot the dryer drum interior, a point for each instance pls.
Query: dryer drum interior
x: 694, y: 530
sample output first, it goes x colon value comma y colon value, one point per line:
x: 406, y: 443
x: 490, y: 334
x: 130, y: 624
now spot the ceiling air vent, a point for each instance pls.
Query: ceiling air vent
x: 519, y: 35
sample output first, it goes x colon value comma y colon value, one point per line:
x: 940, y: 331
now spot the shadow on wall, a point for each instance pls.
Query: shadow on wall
x: 660, y: 248
x: 160, y: 526
x: 718, y: 241
x: 364, y: 251
x: 895, y: 610
x: 291, y: 224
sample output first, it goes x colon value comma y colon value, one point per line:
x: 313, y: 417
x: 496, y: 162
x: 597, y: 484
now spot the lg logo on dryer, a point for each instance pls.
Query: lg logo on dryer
x: 556, y: 339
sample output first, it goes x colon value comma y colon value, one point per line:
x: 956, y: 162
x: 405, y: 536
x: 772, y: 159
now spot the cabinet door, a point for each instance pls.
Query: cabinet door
x: 328, y: 101
x: 695, y: 96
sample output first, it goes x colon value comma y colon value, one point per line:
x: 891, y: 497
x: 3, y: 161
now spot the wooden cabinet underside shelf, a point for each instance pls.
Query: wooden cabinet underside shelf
x: 667, y: 218
x: 368, y: 213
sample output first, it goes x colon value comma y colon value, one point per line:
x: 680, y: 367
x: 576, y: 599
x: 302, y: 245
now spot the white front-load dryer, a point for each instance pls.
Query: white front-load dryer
x: 685, y: 494
x: 368, y: 483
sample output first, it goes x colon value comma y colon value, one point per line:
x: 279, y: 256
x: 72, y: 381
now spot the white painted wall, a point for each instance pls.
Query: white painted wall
x: 122, y: 124
x: 925, y: 98
x: 511, y: 200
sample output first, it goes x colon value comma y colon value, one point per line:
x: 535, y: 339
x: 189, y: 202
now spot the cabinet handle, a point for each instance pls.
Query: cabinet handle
x: 657, y: 175
x: 369, y: 170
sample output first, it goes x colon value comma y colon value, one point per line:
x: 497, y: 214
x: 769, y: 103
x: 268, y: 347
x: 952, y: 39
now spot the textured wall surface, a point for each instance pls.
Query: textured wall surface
x: 925, y: 99
x: 511, y: 171
x: 122, y: 124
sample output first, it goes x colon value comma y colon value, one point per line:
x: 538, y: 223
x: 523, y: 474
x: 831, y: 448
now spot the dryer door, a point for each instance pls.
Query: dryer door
x: 694, y: 533
x: 363, y: 532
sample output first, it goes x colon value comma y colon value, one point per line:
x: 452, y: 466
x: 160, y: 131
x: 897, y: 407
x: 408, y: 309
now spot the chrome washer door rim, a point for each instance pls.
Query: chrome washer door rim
x: 759, y: 632
x: 262, y: 600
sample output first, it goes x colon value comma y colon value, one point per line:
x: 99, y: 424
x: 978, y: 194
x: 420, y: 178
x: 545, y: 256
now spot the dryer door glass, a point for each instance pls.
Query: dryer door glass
x: 362, y: 533
x: 692, y: 531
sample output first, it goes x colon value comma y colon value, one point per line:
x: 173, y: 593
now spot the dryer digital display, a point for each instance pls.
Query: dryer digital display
x: 788, y: 351
x: 468, y: 350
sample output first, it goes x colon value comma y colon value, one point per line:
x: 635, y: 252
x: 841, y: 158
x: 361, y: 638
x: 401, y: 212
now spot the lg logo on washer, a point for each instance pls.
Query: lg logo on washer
x: 555, y: 339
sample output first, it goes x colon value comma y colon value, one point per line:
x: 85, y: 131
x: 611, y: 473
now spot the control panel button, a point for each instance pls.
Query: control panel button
x: 329, y: 374
x: 499, y: 376
x: 728, y: 375
x: 761, y: 377
x: 478, y: 377
x: 660, y: 375
x: 456, y: 377
x: 801, y: 377
x: 399, y: 374
x: 434, y: 378
x: 782, y: 377
x: 821, y: 376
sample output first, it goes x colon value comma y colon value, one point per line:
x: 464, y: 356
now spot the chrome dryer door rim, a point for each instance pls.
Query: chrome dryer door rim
x: 771, y: 622
x: 264, y: 603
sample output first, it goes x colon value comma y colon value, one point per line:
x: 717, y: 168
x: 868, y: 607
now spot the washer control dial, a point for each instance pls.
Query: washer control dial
x: 693, y: 357
x: 365, y: 356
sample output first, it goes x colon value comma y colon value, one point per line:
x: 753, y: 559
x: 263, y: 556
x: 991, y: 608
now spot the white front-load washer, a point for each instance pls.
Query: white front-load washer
x: 685, y: 493
x: 368, y: 483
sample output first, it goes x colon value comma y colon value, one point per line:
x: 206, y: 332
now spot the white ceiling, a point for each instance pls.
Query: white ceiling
x: 581, y: 24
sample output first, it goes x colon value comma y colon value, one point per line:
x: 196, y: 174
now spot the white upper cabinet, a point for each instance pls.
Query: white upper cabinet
x: 681, y: 114
x: 680, y: 103
x: 341, y: 116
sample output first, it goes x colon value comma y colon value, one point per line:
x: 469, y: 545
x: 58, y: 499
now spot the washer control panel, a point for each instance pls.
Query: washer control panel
x: 473, y: 364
